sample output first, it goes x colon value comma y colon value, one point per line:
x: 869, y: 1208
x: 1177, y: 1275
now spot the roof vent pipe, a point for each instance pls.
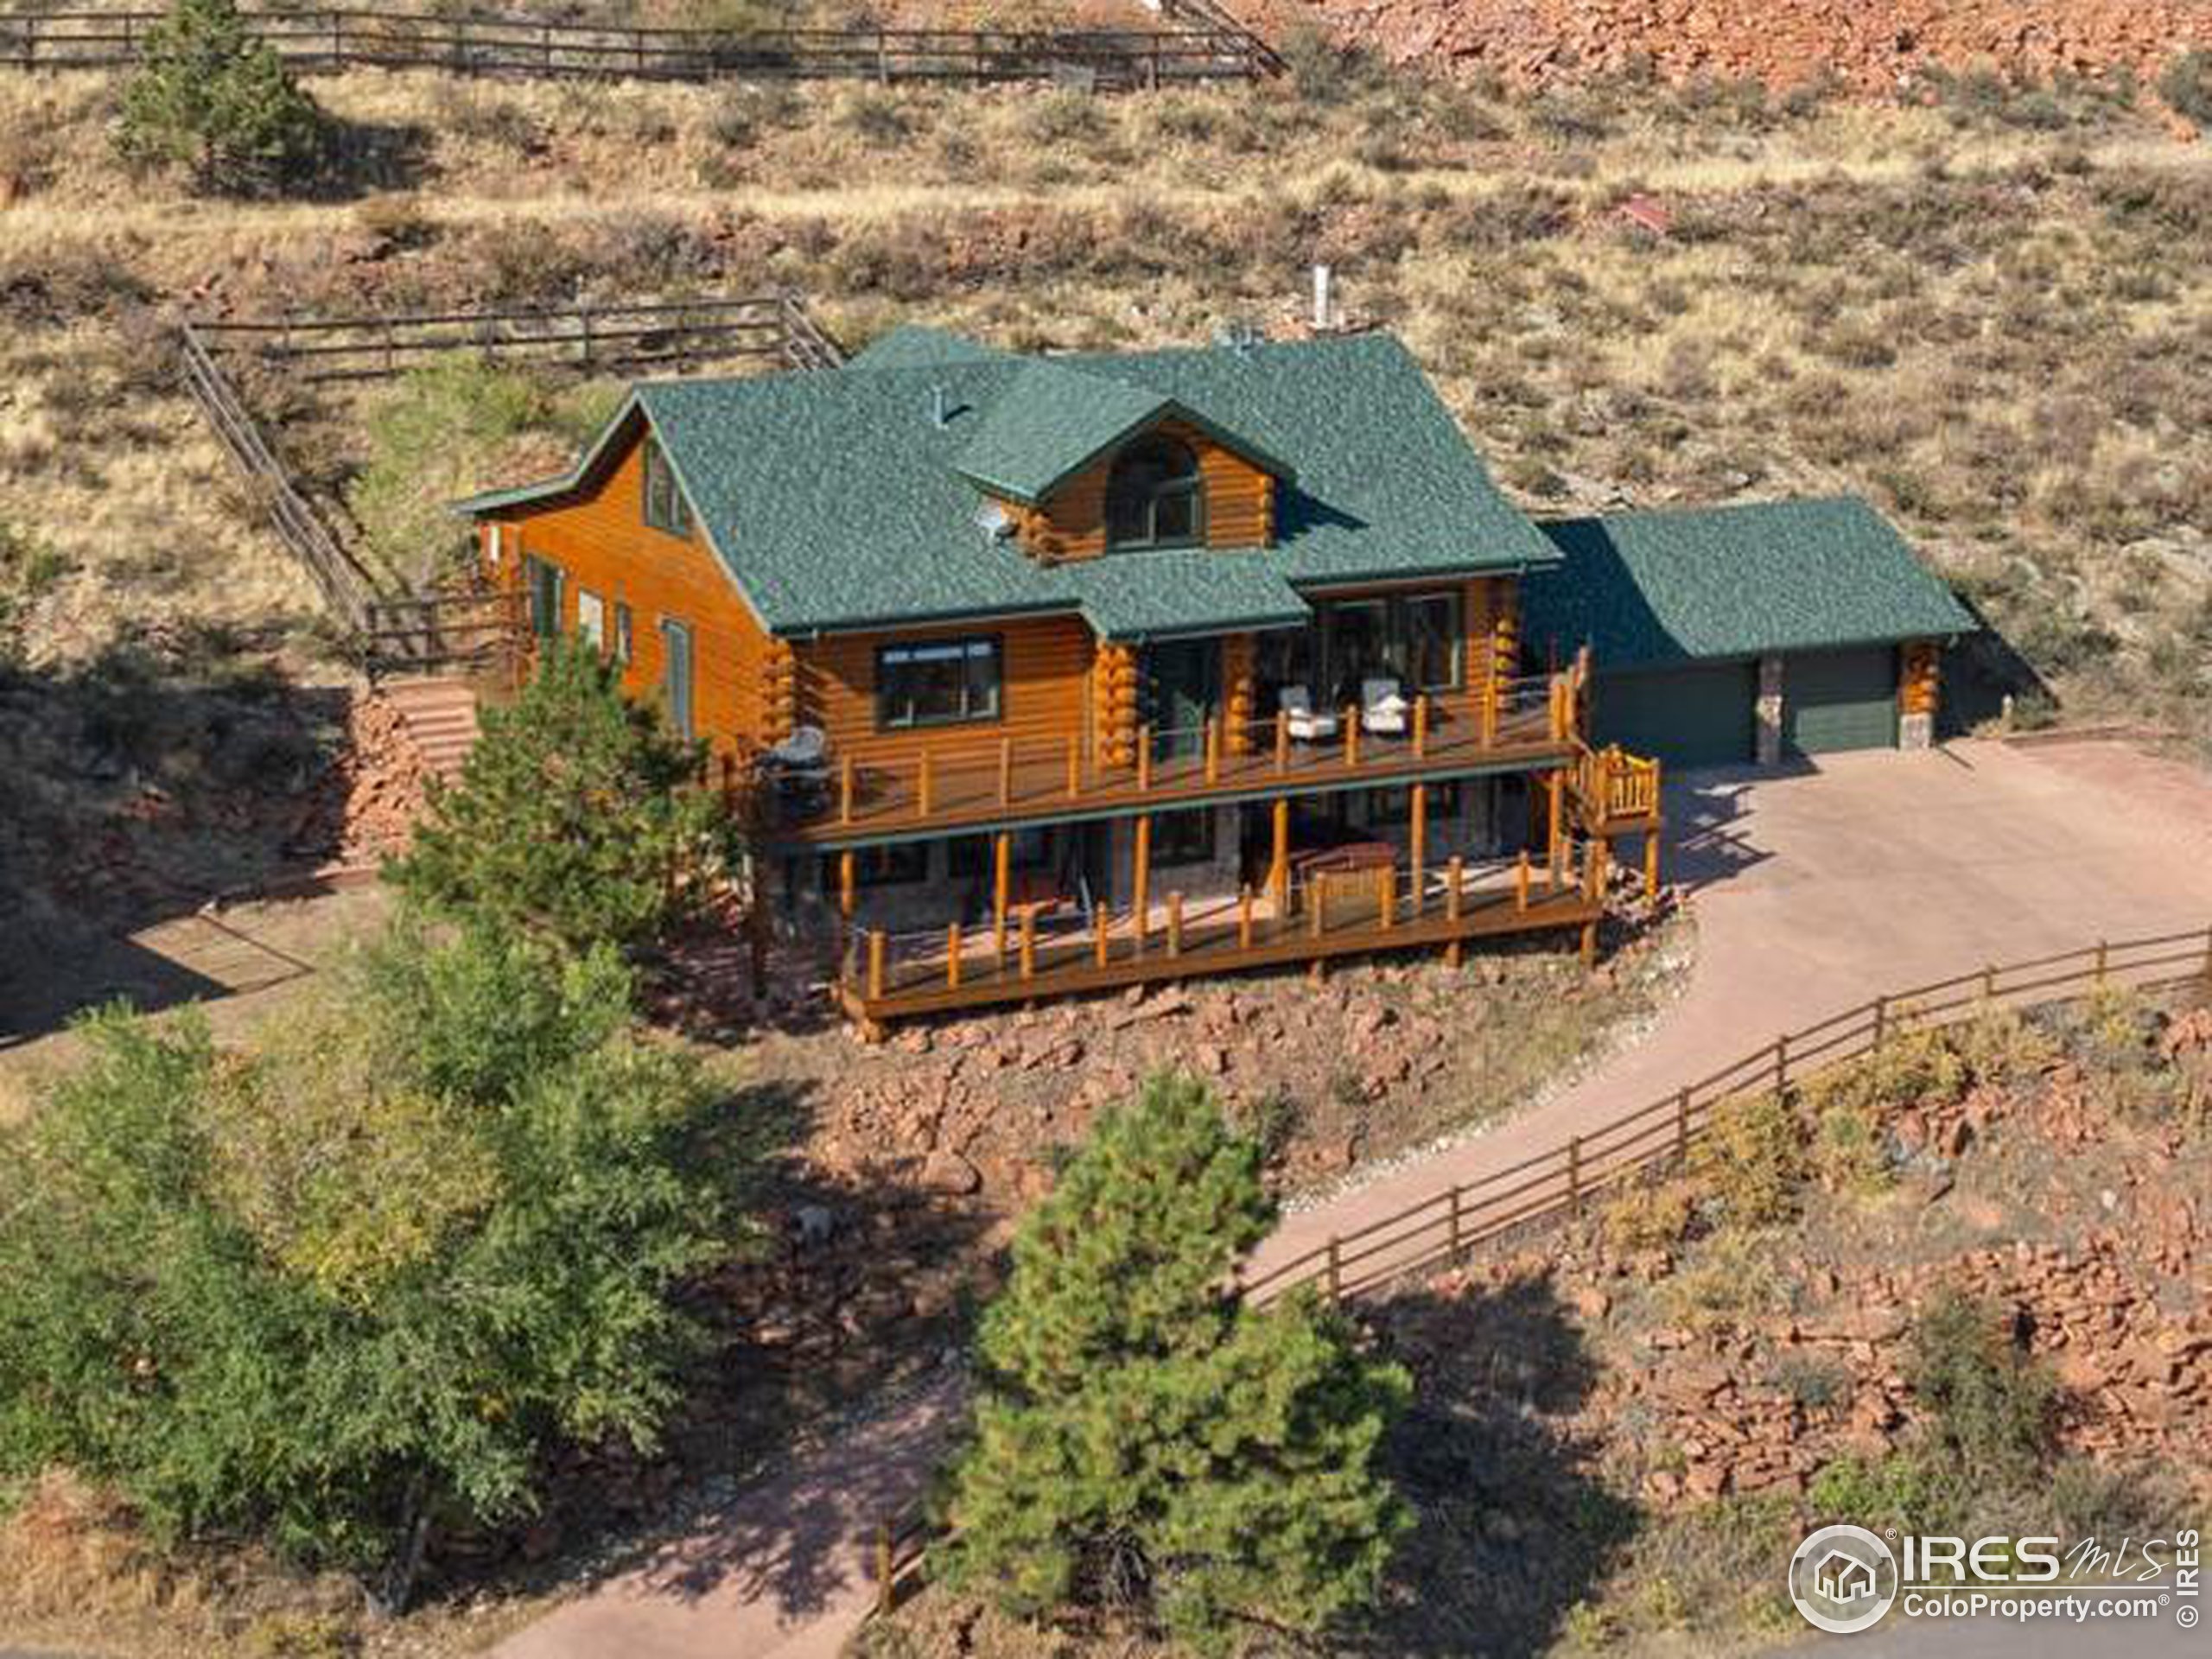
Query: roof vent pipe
x: 1320, y: 299
x: 940, y: 407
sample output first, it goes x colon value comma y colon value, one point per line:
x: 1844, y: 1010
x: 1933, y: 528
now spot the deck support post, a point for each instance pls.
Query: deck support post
x: 1386, y: 896
x: 1417, y: 847
x: 1283, y: 741
x: 876, y: 964
x: 1175, y: 924
x: 1455, y: 949
x: 1521, y: 882
x: 1001, y: 886
x: 1213, y: 748
x: 1589, y: 945
x: 1351, y: 737
x: 1651, y: 861
x: 1100, y: 938
x: 848, y: 883
x: 1141, y: 889
x: 1244, y: 917
x: 1316, y: 900
x: 953, y: 956
x: 1554, y: 787
x: 1420, y: 727
x: 1029, y: 942
x: 1279, y: 859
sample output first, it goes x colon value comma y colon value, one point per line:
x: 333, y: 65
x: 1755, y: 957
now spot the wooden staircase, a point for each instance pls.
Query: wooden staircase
x: 439, y: 713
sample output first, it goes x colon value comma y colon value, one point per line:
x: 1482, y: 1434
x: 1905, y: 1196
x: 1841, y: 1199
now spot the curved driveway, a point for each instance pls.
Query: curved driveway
x: 1813, y: 891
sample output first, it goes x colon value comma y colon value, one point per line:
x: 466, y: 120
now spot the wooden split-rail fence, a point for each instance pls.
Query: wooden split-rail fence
x: 404, y: 632
x: 1656, y: 1138
x: 1209, y: 44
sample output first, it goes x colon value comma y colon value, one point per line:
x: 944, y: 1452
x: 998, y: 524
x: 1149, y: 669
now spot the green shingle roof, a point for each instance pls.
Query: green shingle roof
x: 912, y: 344
x: 1048, y: 424
x: 1644, y: 589
x: 835, y: 500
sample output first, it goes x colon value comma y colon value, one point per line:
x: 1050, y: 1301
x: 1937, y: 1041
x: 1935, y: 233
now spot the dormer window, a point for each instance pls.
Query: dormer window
x: 666, y: 509
x: 1155, y: 496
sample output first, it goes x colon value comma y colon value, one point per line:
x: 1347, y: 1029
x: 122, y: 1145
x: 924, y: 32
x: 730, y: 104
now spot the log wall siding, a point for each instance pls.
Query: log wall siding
x: 1044, y: 670
x: 1920, y: 677
x: 1114, y: 706
x: 601, y: 542
x: 1070, y: 522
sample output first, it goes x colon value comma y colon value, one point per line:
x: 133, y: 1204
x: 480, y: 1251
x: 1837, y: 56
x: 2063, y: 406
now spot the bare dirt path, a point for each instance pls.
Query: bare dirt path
x: 1812, y: 892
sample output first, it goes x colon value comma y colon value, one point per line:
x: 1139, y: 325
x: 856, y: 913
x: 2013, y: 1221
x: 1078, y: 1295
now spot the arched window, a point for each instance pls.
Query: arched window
x: 1154, y: 496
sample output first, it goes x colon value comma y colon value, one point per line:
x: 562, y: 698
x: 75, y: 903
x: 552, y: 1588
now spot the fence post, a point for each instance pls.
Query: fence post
x: 884, y: 1588
x: 1989, y: 982
x: 2208, y: 953
x: 1459, y: 1200
x: 1336, y: 1269
x: 1881, y: 1021
x: 1781, y: 1063
x: 1574, y: 1175
x: 2104, y: 956
x: 1682, y: 1124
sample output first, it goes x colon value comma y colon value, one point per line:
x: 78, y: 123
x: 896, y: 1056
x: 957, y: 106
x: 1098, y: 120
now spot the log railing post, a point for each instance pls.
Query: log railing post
x: 1386, y: 896
x: 1781, y: 1063
x: 1244, y: 917
x: 1213, y: 749
x: 1175, y: 924
x: 953, y: 956
x: 1459, y: 1210
x: 1316, y: 900
x: 846, y: 779
x: 1282, y: 749
x: 1100, y: 944
x: 1521, y: 882
x: 875, y: 953
x: 2104, y: 958
x: 1351, y: 738
x: 1029, y: 941
x: 1420, y: 727
x: 1140, y: 887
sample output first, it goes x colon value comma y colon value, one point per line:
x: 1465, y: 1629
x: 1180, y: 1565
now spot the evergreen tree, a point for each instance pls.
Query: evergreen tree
x: 578, y: 817
x: 211, y: 97
x: 1144, y: 1441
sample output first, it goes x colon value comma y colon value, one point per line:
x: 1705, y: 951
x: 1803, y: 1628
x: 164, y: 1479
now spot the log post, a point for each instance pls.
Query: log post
x: 953, y: 956
x: 1279, y: 861
x: 1244, y: 917
x: 1001, y: 886
x: 1417, y: 846
x: 1213, y: 748
x: 1283, y: 741
x: 1140, y: 890
x: 845, y: 790
x: 1351, y: 738
x: 1521, y: 882
x: 1420, y: 727
x: 1553, y: 786
x: 1316, y: 899
x: 848, y: 883
x: 1336, y: 1269
x: 1100, y: 943
x: 1029, y: 942
x: 1386, y: 896
x: 1455, y: 949
x: 1881, y: 1021
x: 874, y: 963
x: 1651, y: 863
x: 1175, y: 924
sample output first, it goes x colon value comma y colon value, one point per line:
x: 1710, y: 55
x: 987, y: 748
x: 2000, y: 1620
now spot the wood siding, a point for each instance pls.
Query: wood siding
x: 1070, y: 522
x: 1045, y: 665
x: 600, y: 542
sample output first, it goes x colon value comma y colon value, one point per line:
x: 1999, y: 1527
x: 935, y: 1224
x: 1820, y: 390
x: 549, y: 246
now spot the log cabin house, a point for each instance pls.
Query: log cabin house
x: 1037, y: 676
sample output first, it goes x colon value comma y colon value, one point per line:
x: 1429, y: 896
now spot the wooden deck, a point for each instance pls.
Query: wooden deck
x: 1351, y: 915
x: 973, y: 787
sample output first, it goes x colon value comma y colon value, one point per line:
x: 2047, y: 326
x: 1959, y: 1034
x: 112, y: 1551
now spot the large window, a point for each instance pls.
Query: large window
x: 676, y: 675
x: 940, y: 684
x: 1155, y: 496
x: 1418, y: 639
x: 591, y: 618
x: 665, y: 508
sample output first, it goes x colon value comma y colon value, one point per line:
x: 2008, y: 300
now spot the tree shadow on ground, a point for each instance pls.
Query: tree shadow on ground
x: 1515, y: 1525
x: 364, y: 158
x: 838, y: 1328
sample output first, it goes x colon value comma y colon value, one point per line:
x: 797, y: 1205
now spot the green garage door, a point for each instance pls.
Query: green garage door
x: 1833, y: 700
x: 1698, y: 716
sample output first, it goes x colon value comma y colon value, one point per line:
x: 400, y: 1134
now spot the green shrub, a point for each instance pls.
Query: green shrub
x: 579, y: 818
x: 358, y: 1279
x: 1988, y: 1406
x: 212, y: 97
x: 1848, y: 1153
x: 2186, y: 84
x: 1752, y: 1160
x: 1145, y: 1443
x: 1649, y: 1215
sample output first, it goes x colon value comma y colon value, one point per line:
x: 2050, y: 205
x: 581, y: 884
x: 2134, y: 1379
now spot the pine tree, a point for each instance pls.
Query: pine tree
x: 211, y: 97
x: 1145, y: 1443
x: 579, y: 818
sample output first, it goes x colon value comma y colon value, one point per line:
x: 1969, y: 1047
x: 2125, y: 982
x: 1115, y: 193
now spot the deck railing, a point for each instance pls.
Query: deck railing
x: 1027, y: 949
x: 951, y: 783
x: 1616, y: 787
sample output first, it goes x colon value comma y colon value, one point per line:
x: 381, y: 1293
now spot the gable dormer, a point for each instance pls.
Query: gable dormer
x: 1084, y: 464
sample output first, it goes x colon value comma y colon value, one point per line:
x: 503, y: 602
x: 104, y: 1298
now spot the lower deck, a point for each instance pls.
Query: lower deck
x: 1030, y: 956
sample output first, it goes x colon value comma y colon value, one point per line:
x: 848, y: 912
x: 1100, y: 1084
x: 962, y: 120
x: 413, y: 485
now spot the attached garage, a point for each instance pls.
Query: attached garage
x: 1838, y: 700
x: 1699, y: 715
x: 1681, y: 610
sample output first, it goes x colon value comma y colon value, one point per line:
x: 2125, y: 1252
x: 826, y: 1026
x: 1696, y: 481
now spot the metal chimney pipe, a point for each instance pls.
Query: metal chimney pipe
x: 1321, y: 298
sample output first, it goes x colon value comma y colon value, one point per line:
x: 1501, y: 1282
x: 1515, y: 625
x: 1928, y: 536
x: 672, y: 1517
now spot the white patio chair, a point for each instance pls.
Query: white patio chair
x: 1382, y: 709
x: 1306, y: 723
